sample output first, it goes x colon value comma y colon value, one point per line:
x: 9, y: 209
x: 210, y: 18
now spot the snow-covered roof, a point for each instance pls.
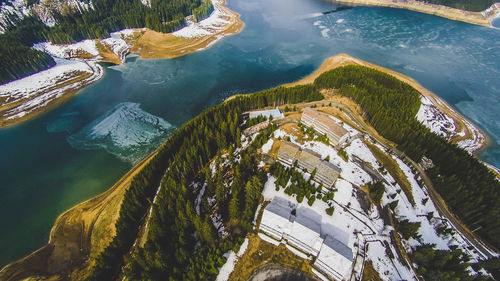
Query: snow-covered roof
x: 275, y: 113
x: 338, y: 247
x: 281, y: 207
x: 325, y: 120
x: 309, y: 218
x: 276, y: 218
x: 331, y: 262
x: 305, y: 233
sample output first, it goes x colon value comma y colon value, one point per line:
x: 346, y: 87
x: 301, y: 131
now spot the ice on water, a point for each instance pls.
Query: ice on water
x: 125, y: 131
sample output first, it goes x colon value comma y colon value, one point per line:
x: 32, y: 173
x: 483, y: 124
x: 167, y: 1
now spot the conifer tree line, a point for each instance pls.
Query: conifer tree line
x: 467, y: 186
x: 19, y: 60
x: 175, y: 229
x: 468, y: 5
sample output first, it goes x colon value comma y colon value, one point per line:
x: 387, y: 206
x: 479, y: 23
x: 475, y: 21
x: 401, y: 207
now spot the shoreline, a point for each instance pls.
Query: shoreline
x: 476, y: 18
x: 78, y: 235
x: 472, y: 132
x: 29, y: 103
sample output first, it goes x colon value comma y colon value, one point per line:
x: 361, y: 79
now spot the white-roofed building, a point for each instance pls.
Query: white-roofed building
x: 275, y: 113
x: 334, y: 258
x: 323, y: 124
x: 305, y: 233
x: 276, y: 218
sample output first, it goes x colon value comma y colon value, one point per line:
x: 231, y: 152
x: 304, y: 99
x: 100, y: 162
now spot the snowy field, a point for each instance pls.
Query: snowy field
x: 444, y: 125
x: 215, y: 23
x: 366, y: 226
x: 37, y: 90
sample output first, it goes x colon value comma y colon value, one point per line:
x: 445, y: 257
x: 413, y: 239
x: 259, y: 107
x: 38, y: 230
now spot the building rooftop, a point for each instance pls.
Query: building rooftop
x: 338, y: 247
x: 325, y: 120
x: 281, y: 207
x: 289, y: 148
x: 275, y: 113
x: 309, y: 218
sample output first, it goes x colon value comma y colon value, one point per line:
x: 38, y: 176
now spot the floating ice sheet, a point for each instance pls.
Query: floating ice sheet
x: 125, y: 131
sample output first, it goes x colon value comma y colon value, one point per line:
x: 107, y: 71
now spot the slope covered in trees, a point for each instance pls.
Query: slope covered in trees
x: 390, y: 105
x: 468, y: 5
x: 16, y: 56
x: 182, y: 242
x: 175, y: 228
x: 19, y: 60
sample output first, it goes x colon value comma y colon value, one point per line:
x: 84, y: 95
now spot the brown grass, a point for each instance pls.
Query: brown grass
x: 77, y: 237
x: 106, y: 53
x: 369, y: 273
x: 260, y: 252
x: 152, y: 44
x: 393, y: 168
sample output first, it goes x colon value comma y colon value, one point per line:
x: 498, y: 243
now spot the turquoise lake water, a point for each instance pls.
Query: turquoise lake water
x: 81, y: 148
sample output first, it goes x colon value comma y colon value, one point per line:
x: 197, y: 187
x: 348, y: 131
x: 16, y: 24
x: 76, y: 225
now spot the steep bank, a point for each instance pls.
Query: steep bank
x: 480, y: 18
x: 464, y: 133
x: 78, y: 236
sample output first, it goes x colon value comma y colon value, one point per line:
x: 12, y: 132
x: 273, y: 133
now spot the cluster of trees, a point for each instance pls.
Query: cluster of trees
x: 174, y: 228
x: 468, y: 5
x: 294, y: 184
x: 254, y: 121
x: 377, y: 190
x: 408, y: 229
x: 312, y: 134
x: 390, y: 105
x: 18, y: 59
x: 444, y: 265
x: 16, y: 56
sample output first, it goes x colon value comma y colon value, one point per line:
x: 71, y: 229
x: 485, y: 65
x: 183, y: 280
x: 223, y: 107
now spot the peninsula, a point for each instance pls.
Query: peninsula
x: 77, y: 64
x: 480, y: 18
x: 237, y: 159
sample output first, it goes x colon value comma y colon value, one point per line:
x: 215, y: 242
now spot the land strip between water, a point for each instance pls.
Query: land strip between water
x: 83, y: 231
x: 17, y: 107
x: 477, y: 18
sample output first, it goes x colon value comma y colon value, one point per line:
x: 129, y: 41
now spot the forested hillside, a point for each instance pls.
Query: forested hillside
x: 175, y: 229
x: 390, y: 105
x: 468, y: 5
x: 107, y: 16
x: 16, y: 56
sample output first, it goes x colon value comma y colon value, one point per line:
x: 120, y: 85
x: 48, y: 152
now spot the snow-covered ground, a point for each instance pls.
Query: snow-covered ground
x: 435, y: 119
x: 444, y: 125
x: 232, y: 258
x: 38, y: 90
x: 349, y: 215
x: 44, y: 9
x: 68, y: 51
x: 117, y: 42
x: 216, y: 22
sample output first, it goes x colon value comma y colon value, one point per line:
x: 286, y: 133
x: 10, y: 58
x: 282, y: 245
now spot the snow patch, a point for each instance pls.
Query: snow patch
x: 216, y: 22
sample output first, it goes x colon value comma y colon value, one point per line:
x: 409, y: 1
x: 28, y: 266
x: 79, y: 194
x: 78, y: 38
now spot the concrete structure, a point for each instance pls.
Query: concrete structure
x: 324, y: 125
x: 326, y: 172
x: 334, y: 259
x: 304, y: 232
x: 276, y: 218
x: 274, y: 113
x: 287, y: 153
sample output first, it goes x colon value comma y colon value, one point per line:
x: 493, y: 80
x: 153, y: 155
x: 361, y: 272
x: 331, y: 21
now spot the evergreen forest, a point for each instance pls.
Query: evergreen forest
x: 19, y: 60
x: 207, y: 154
